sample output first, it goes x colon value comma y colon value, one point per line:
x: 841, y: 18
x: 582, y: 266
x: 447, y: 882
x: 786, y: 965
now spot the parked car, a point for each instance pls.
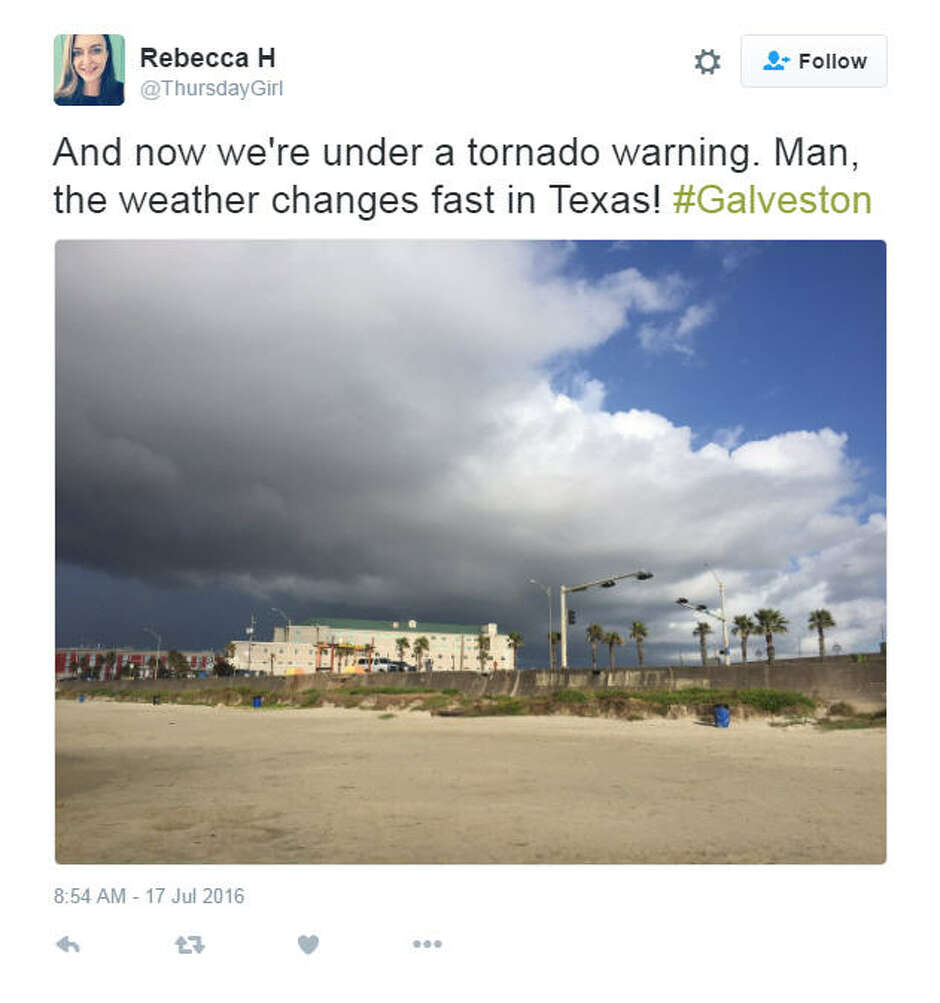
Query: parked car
x: 376, y: 664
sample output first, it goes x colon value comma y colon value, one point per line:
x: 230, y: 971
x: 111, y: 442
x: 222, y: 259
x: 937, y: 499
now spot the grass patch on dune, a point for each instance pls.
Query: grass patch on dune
x: 617, y: 696
x: 497, y: 706
x: 768, y: 701
x: 571, y: 697
x: 434, y: 702
x: 620, y: 703
x: 874, y: 719
x: 362, y: 691
x: 341, y: 698
x: 773, y: 701
x: 231, y: 696
x: 87, y: 691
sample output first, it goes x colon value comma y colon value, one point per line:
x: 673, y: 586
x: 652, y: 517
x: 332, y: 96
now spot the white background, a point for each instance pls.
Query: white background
x: 430, y: 73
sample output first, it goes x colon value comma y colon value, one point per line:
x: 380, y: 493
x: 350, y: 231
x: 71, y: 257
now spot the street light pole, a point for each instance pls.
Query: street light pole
x: 551, y: 647
x: 274, y: 609
x: 564, y: 629
x: 250, y: 631
x: 725, y: 642
x: 605, y: 583
x: 159, y: 639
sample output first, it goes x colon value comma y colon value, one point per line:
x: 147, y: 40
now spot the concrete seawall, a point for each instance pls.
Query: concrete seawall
x: 860, y: 680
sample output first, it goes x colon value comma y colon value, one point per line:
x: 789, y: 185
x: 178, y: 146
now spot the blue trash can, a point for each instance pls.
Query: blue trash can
x: 256, y: 701
x: 722, y: 715
x: 81, y: 697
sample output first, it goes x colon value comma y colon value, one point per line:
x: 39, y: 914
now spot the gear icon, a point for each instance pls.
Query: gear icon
x: 707, y: 61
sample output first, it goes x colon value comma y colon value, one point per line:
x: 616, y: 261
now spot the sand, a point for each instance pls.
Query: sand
x: 174, y: 784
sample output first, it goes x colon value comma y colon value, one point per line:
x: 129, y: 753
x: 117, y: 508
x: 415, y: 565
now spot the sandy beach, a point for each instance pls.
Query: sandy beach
x: 187, y: 784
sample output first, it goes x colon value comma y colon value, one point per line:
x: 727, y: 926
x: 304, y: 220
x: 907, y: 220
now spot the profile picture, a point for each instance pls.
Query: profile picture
x: 89, y: 69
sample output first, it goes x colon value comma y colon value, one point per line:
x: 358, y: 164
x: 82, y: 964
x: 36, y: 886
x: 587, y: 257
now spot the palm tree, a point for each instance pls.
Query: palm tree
x: 770, y: 622
x: 744, y: 626
x: 418, y: 648
x: 223, y: 663
x: 594, y: 635
x: 638, y: 632
x: 612, y: 640
x: 702, y: 629
x: 820, y: 619
x: 515, y: 642
x: 483, y: 649
x: 402, y: 644
x: 554, y: 638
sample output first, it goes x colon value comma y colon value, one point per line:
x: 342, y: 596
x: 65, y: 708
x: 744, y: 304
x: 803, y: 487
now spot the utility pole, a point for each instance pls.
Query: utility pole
x: 274, y: 609
x: 564, y: 629
x: 725, y: 642
x: 551, y: 647
x: 250, y: 631
x: 159, y: 639
x: 702, y: 608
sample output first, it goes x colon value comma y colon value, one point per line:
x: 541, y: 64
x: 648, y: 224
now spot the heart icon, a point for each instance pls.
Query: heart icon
x: 308, y: 944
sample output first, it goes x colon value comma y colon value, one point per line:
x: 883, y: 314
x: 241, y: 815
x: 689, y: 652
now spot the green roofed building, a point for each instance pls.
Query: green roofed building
x: 340, y: 644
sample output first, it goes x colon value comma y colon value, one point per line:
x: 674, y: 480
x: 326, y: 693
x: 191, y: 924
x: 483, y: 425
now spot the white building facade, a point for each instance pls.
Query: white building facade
x: 342, y: 645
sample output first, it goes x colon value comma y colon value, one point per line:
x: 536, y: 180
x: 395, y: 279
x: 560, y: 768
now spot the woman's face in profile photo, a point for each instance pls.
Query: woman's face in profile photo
x: 89, y: 60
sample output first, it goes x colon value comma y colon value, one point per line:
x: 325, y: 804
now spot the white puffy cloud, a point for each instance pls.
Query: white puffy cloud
x: 675, y: 335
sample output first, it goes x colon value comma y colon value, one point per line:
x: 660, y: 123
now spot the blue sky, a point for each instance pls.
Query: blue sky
x: 796, y: 340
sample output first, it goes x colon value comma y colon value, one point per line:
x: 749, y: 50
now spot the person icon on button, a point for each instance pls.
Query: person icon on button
x: 774, y: 62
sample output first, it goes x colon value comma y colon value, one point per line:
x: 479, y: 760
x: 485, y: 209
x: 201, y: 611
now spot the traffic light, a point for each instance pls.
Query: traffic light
x: 571, y: 616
